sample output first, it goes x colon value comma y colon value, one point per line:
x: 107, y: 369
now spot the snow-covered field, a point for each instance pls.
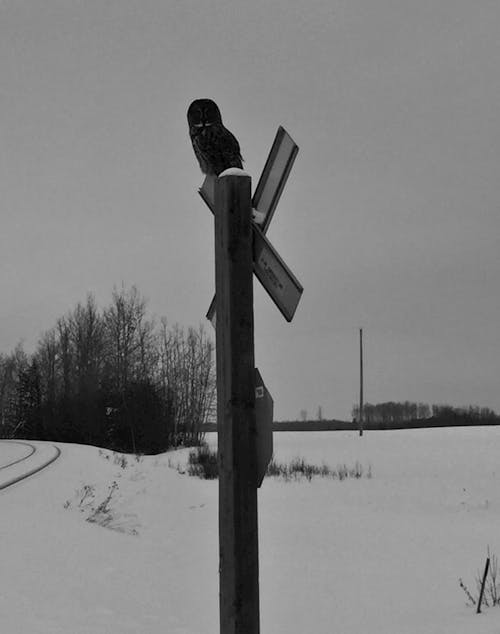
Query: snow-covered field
x: 374, y: 555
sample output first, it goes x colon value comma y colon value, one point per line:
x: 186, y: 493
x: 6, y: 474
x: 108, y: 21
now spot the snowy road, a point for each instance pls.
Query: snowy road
x: 20, y: 460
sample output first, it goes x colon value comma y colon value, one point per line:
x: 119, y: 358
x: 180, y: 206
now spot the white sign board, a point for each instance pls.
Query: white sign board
x: 274, y: 175
x: 275, y: 276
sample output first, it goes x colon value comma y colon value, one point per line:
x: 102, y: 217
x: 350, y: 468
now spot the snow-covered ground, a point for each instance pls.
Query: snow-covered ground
x: 376, y: 555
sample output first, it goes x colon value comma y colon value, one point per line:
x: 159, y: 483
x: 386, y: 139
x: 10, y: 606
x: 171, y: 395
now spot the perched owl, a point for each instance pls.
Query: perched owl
x: 215, y: 147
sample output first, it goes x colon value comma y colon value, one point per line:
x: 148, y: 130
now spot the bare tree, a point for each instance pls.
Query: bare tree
x: 66, y: 358
x: 186, y: 368
x: 86, y: 328
x: 87, y: 337
x: 46, y: 355
x: 129, y: 337
x: 129, y: 344
x: 12, y: 368
x: 7, y: 392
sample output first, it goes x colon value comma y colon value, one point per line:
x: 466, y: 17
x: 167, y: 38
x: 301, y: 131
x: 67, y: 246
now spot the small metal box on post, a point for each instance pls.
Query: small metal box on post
x: 264, y: 408
x: 238, y: 529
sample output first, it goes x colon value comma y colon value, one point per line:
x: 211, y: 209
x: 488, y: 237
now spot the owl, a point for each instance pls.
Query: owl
x: 215, y: 147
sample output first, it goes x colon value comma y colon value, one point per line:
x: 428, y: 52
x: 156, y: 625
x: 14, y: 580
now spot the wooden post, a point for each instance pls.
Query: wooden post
x: 485, y: 576
x: 238, y: 530
x: 361, y: 381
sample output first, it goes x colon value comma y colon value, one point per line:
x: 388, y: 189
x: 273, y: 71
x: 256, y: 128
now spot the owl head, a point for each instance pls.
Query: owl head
x: 202, y: 113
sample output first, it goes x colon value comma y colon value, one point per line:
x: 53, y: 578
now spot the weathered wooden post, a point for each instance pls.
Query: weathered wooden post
x: 238, y: 530
x: 483, y: 583
x: 245, y: 445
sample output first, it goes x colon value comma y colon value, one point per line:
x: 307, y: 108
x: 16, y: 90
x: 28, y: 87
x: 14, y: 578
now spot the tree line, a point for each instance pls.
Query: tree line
x: 405, y: 412
x: 112, y: 378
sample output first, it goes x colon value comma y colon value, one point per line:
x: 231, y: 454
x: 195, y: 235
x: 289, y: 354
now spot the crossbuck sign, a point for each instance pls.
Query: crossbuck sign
x: 271, y: 271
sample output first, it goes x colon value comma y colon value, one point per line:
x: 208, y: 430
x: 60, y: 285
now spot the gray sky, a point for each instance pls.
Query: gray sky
x: 390, y: 218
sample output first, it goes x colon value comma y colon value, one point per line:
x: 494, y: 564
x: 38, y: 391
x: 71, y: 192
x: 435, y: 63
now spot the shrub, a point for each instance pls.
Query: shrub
x: 103, y: 513
x: 298, y: 468
x: 120, y: 460
x: 202, y: 463
x: 491, y: 596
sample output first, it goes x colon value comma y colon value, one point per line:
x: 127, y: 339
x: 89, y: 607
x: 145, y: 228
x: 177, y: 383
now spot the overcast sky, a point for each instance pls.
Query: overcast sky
x: 390, y: 218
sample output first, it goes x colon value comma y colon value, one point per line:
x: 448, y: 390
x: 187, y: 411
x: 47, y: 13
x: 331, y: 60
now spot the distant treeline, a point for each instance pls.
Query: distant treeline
x: 392, y: 412
x: 405, y: 415
x: 110, y: 378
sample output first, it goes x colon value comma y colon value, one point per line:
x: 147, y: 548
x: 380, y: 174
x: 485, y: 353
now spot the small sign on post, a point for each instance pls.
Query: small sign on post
x: 264, y: 407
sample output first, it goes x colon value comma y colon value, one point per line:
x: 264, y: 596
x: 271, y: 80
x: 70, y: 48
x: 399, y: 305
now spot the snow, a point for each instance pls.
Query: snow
x: 233, y: 171
x: 258, y: 216
x: 380, y: 554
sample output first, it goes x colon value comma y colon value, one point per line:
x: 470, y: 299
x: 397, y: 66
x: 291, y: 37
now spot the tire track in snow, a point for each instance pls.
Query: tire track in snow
x: 33, y: 470
x: 14, y: 442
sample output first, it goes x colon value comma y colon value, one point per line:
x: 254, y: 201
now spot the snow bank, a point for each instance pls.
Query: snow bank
x: 370, y: 555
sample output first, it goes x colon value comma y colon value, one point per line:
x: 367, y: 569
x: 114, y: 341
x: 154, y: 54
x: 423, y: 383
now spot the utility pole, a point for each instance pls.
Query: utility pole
x: 361, y: 381
x: 238, y: 530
